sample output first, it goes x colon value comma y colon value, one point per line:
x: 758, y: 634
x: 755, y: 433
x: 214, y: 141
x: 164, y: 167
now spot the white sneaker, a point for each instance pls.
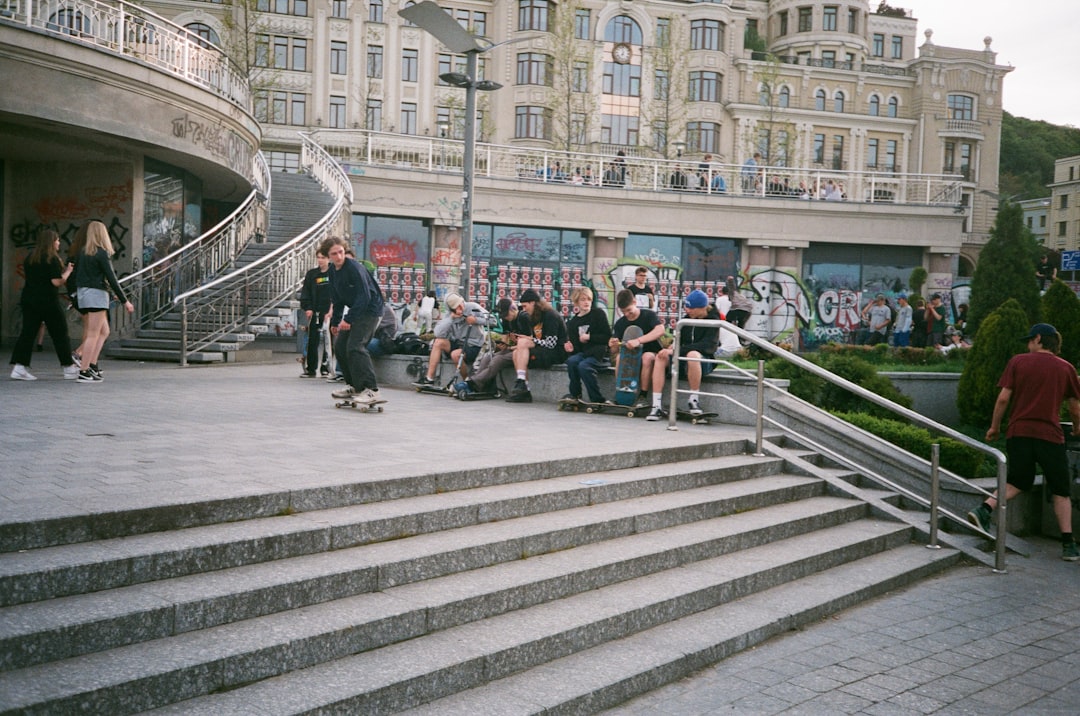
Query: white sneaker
x: 655, y: 414
x: 372, y: 396
x: 19, y: 372
x: 345, y: 393
x: 694, y: 408
x: 71, y: 372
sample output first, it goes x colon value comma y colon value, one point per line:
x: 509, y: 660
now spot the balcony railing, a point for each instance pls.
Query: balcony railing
x: 354, y: 149
x: 132, y: 31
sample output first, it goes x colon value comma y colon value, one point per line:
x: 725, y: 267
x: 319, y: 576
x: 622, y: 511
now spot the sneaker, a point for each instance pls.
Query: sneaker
x: 980, y: 517
x: 336, y: 378
x: 307, y: 375
x: 694, y: 408
x: 71, y: 372
x: 520, y: 393
x: 76, y: 358
x: 1069, y: 552
x: 344, y: 393
x: 19, y: 372
x: 656, y: 414
x: 368, y: 395
x: 424, y: 380
x: 570, y: 399
x: 86, y: 376
x: 98, y: 372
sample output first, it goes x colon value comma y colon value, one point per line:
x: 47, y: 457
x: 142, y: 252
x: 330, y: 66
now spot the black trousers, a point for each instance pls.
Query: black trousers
x: 52, y: 315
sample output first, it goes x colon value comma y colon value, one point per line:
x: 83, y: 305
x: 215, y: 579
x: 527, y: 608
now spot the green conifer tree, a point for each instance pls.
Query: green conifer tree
x: 1061, y: 307
x: 1006, y: 269
x: 997, y: 342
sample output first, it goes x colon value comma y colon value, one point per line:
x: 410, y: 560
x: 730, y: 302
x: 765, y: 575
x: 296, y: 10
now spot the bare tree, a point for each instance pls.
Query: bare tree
x: 572, y: 102
x: 778, y: 135
x: 665, y: 109
x: 247, y: 43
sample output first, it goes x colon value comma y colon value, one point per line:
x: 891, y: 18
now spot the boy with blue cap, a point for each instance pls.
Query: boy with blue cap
x: 695, y: 343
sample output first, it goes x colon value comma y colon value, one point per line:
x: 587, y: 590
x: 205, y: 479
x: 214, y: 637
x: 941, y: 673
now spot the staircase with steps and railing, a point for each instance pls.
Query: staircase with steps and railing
x: 532, y: 586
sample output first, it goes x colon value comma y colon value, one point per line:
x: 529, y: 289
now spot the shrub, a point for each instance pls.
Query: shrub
x: 954, y: 456
x: 996, y: 342
x: 827, y: 396
x: 1061, y: 307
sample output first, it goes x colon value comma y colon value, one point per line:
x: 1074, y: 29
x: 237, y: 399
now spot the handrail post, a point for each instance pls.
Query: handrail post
x: 759, y: 423
x: 935, y: 494
x: 183, y: 333
x: 674, y: 369
x: 1002, y: 512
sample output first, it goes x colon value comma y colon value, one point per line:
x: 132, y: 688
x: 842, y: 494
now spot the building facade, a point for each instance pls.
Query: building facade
x: 1064, y: 211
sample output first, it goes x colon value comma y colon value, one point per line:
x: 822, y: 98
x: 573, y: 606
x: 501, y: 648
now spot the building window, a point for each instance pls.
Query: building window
x: 785, y: 97
x: 853, y: 21
x: 897, y: 47
x: 534, y: 68
x: 374, y: 115
x: 298, y: 113
x: 890, y: 155
x: 871, y: 154
x: 282, y: 53
x: 838, y: 102
x: 783, y: 23
x: 533, y: 15
x: 479, y: 24
x: 532, y: 123
x: 374, y: 61
x: 706, y: 35
x: 580, y: 81
x: 659, y: 136
x: 582, y: 23
x: 1062, y: 228
x: 965, y: 160
x: 828, y: 58
x: 894, y: 106
x: 339, y: 9
x: 339, y: 58
x: 702, y: 137
x: 337, y: 113
x: 280, y: 108
x: 409, y: 62
x: 961, y: 106
x: 283, y: 7
x: 1042, y: 221
x: 819, y: 149
x: 838, y: 151
x: 205, y: 33
x: 828, y: 18
x: 408, y: 118
x: 704, y: 87
x: 819, y: 100
x: 875, y: 105
x: 878, y: 49
x: 806, y: 19
x: 619, y: 129
x: 1064, y: 201
x: 622, y: 80
x: 623, y: 28
x: 661, y: 85
x: 663, y: 31
x: 375, y: 11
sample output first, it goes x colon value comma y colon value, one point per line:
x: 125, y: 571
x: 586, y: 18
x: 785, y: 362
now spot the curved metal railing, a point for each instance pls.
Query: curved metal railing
x: 153, y: 288
x: 905, y: 413
x: 212, y: 311
x: 137, y: 33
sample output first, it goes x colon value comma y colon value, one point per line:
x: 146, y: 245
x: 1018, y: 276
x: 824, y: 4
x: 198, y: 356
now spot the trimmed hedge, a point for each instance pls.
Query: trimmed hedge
x: 954, y: 456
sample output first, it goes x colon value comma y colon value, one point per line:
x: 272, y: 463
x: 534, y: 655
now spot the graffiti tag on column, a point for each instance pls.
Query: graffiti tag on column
x: 109, y: 199
x: 221, y: 142
x: 61, y: 208
x: 392, y: 251
x: 782, y: 298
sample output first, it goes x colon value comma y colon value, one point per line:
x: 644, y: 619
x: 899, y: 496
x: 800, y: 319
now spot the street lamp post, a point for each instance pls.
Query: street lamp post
x: 429, y: 16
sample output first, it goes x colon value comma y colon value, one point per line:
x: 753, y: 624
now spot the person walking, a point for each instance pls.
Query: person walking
x: 94, y: 274
x: 315, y: 303
x: 1035, y: 384
x: 45, y: 273
x: 357, y: 309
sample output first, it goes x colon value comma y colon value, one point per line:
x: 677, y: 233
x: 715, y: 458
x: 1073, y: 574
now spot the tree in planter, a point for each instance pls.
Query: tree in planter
x: 916, y: 281
x: 1061, y: 307
x: 997, y: 342
x: 1006, y: 270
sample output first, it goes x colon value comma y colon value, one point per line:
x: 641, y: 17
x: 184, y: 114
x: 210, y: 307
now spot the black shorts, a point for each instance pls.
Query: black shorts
x: 471, y: 351
x: 543, y: 357
x: 1025, y: 453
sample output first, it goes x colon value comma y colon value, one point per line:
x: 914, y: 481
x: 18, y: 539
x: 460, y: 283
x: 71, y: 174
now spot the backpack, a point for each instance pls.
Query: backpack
x: 410, y: 344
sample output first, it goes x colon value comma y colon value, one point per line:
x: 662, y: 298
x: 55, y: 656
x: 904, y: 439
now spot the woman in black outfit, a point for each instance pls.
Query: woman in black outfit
x: 45, y: 273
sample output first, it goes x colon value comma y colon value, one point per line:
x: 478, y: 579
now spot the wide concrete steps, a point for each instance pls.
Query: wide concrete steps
x: 387, y: 595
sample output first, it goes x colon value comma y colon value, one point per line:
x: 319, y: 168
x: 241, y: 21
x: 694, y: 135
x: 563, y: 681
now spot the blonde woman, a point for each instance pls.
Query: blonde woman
x: 45, y: 273
x: 94, y: 274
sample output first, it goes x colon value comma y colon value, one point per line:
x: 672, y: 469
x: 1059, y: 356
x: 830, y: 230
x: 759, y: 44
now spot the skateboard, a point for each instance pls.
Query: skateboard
x: 363, y: 407
x: 446, y: 390
x: 628, y: 371
x: 703, y: 419
x: 578, y: 405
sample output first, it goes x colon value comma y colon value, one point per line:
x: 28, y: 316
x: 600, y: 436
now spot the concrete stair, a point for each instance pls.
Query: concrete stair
x: 531, y: 587
x: 297, y: 202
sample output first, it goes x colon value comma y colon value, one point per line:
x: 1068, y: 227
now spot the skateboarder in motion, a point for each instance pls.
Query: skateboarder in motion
x: 651, y: 328
x: 588, y: 333
x: 695, y: 342
x: 358, y: 307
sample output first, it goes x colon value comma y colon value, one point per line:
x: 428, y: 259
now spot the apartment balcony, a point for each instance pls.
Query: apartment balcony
x: 960, y: 128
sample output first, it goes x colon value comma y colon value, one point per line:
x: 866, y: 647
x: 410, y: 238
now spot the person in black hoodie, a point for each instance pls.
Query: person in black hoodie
x: 358, y: 307
x: 698, y: 343
x: 543, y: 347
x: 589, y: 331
x: 315, y: 303
x: 94, y: 275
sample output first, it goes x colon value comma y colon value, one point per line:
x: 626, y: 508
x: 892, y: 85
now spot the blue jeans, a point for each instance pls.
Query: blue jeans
x: 582, y: 369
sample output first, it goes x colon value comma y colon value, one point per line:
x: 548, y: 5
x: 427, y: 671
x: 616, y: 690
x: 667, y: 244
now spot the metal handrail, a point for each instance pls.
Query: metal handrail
x: 858, y: 390
x: 136, y: 33
x: 153, y: 287
x: 213, y: 310
x: 359, y: 147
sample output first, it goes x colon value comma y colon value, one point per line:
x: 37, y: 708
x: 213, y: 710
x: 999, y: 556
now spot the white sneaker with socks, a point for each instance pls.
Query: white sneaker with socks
x: 19, y: 372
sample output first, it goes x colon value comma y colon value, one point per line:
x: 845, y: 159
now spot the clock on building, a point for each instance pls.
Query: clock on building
x: 622, y: 53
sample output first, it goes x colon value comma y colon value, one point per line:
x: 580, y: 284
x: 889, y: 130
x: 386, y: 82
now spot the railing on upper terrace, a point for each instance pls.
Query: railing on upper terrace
x: 135, y: 32
x: 153, y: 288
x: 228, y: 303
x: 355, y: 148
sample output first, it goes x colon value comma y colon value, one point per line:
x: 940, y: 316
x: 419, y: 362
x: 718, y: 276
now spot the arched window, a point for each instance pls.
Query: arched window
x: 623, y: 28
x: 894, y: 106
x: 205, y: 33
x: 71, y: 22
x: 785, y: 97
x: 875, y: 105
x: 819, y: 100
x: 838, y: 102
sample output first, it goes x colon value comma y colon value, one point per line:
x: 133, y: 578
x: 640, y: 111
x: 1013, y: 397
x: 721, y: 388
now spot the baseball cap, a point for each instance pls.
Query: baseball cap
x: 503, y: 307
x: 529, y: 294
x: 697, y: 299
x: 1040, y: 329
x: 453, y: 301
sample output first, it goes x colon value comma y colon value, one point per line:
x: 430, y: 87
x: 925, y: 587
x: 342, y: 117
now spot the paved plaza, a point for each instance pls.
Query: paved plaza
x: 965, y: 642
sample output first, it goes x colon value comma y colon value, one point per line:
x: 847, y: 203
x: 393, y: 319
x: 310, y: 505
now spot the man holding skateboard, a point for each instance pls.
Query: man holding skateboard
x: 696, y: 343
x: 651, y: 329
x: 358, y: 306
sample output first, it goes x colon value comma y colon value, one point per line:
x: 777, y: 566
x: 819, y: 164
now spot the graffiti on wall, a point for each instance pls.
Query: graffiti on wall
x: 222, y: 143
x: 392, y: 251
